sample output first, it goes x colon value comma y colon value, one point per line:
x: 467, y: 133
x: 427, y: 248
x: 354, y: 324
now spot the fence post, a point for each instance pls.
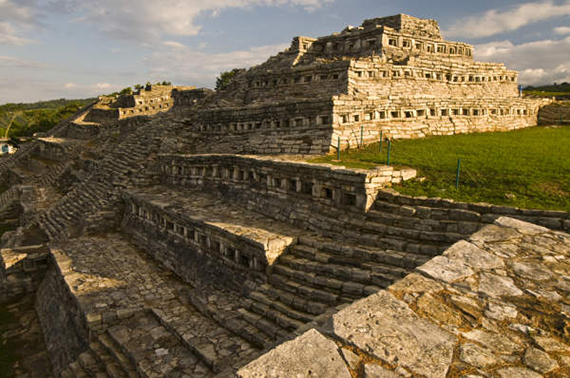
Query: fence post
x: 389, y: 147
x: 362, y: 135
x: 457, y: 174
x: 381, y: 132
x: 338, y: 149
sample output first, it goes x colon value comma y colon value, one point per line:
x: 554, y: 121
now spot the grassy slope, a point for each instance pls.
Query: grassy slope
x: 38, y: 116
x: 527, y: 168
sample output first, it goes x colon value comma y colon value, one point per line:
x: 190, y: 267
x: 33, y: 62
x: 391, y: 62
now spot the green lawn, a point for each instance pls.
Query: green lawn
x: 527, y: 168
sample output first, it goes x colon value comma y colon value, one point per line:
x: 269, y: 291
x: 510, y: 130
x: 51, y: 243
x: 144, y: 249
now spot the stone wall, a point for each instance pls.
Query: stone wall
x: 102, y: 115
x: 64, y: 325
x: 21, y: 270
x: 233, y: 247
x: 349, y: 189
x: 478, y: 212
x: 557, y: 113
x: 416, y: 118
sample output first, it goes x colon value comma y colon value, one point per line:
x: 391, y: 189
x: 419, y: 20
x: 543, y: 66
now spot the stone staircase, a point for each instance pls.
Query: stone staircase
x: 319, y: 274
x: 315, y: 277
x: 104, y: 359
x: 99, y: 192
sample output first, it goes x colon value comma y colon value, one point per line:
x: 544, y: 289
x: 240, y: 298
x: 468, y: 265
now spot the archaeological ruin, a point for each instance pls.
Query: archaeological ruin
x: 180, y: 232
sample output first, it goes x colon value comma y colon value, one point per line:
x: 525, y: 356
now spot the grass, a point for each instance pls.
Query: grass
x: 527, y: 168
x: 546, y: 93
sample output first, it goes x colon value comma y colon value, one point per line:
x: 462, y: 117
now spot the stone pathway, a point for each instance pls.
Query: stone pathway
x: 142, y: 312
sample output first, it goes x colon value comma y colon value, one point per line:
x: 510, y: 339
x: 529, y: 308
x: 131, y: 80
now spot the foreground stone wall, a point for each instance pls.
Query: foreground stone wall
x: 64, y: 325
x: 490, y: 306
x: 444, y: 209
x: 558, y: 113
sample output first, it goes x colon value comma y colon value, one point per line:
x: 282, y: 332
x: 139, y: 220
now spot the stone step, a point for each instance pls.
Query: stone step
x: 91, y: 365
x: 77, y: 370
x: 112, y: 369
x: 211, y: 343
x: 292, y: 300
x: 288, y: 311
x: 303, y: 291
x: 355, y: 255
x: 268, y: 328
x: 152, y: 347
x: 121, y: 360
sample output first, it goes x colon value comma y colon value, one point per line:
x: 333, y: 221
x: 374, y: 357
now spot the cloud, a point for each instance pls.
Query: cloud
x: 187, y: 66
x: 9, y: 61
x: 148, y: 21
x: 529, y: 59
x: 15, y: 20
x: 562, y: 30
x: 494, y: 21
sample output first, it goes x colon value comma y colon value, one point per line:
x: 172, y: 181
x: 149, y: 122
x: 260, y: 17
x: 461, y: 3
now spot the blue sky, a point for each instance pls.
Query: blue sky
x: 74, y: 49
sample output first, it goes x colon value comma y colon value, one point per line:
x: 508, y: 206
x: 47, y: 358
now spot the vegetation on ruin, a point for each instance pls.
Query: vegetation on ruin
x: 38, y: 116
x: 527, y: 168
x: 225, y: 78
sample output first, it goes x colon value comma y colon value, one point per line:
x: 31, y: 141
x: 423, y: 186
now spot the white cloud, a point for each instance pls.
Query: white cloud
x: 10, y: 61
x: 173, y: 44
x: 187, y: 66
x: 15, y: 20
x: 539, y: 62
x: 562, y: 30
x: 494, y: 21
x: 150, y: 20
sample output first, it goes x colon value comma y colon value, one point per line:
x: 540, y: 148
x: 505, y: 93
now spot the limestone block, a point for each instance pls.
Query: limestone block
x: 386, y: 328
x: 311, y: 354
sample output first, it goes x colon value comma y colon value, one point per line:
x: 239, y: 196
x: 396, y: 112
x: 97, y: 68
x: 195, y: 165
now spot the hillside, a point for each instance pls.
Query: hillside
x: 38, y: 116
x: 556, y: 90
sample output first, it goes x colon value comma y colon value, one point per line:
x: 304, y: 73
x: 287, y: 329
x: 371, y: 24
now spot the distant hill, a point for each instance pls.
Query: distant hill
x: 557, y: 90
x: 38, y: 116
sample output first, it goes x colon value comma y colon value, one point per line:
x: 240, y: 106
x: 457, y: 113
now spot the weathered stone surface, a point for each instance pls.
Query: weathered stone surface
x: 539, y: 361
x: 520, y: 226
x: 351, y: 358
x: 494, y: 341
x: 497, y: 286
x: 494, y: 233
x: 517, y: 372
x: 385, y: 327
x: 476, y: 356
x: 311, y: 354
x: 378, y: 371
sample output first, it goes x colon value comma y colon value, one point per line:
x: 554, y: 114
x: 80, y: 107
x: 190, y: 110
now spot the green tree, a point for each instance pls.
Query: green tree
x: 225, y: 78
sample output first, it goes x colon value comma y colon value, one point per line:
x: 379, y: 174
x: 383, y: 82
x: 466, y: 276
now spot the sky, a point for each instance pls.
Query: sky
x: 53, y: 49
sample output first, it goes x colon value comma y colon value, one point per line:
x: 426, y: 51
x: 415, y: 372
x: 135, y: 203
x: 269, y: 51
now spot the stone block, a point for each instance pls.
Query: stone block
x: 310, y: 354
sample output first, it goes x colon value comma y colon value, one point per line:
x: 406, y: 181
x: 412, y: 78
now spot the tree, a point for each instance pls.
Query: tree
x: 138, y: 87
x: 126, y: 91
x: 225, y: 78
